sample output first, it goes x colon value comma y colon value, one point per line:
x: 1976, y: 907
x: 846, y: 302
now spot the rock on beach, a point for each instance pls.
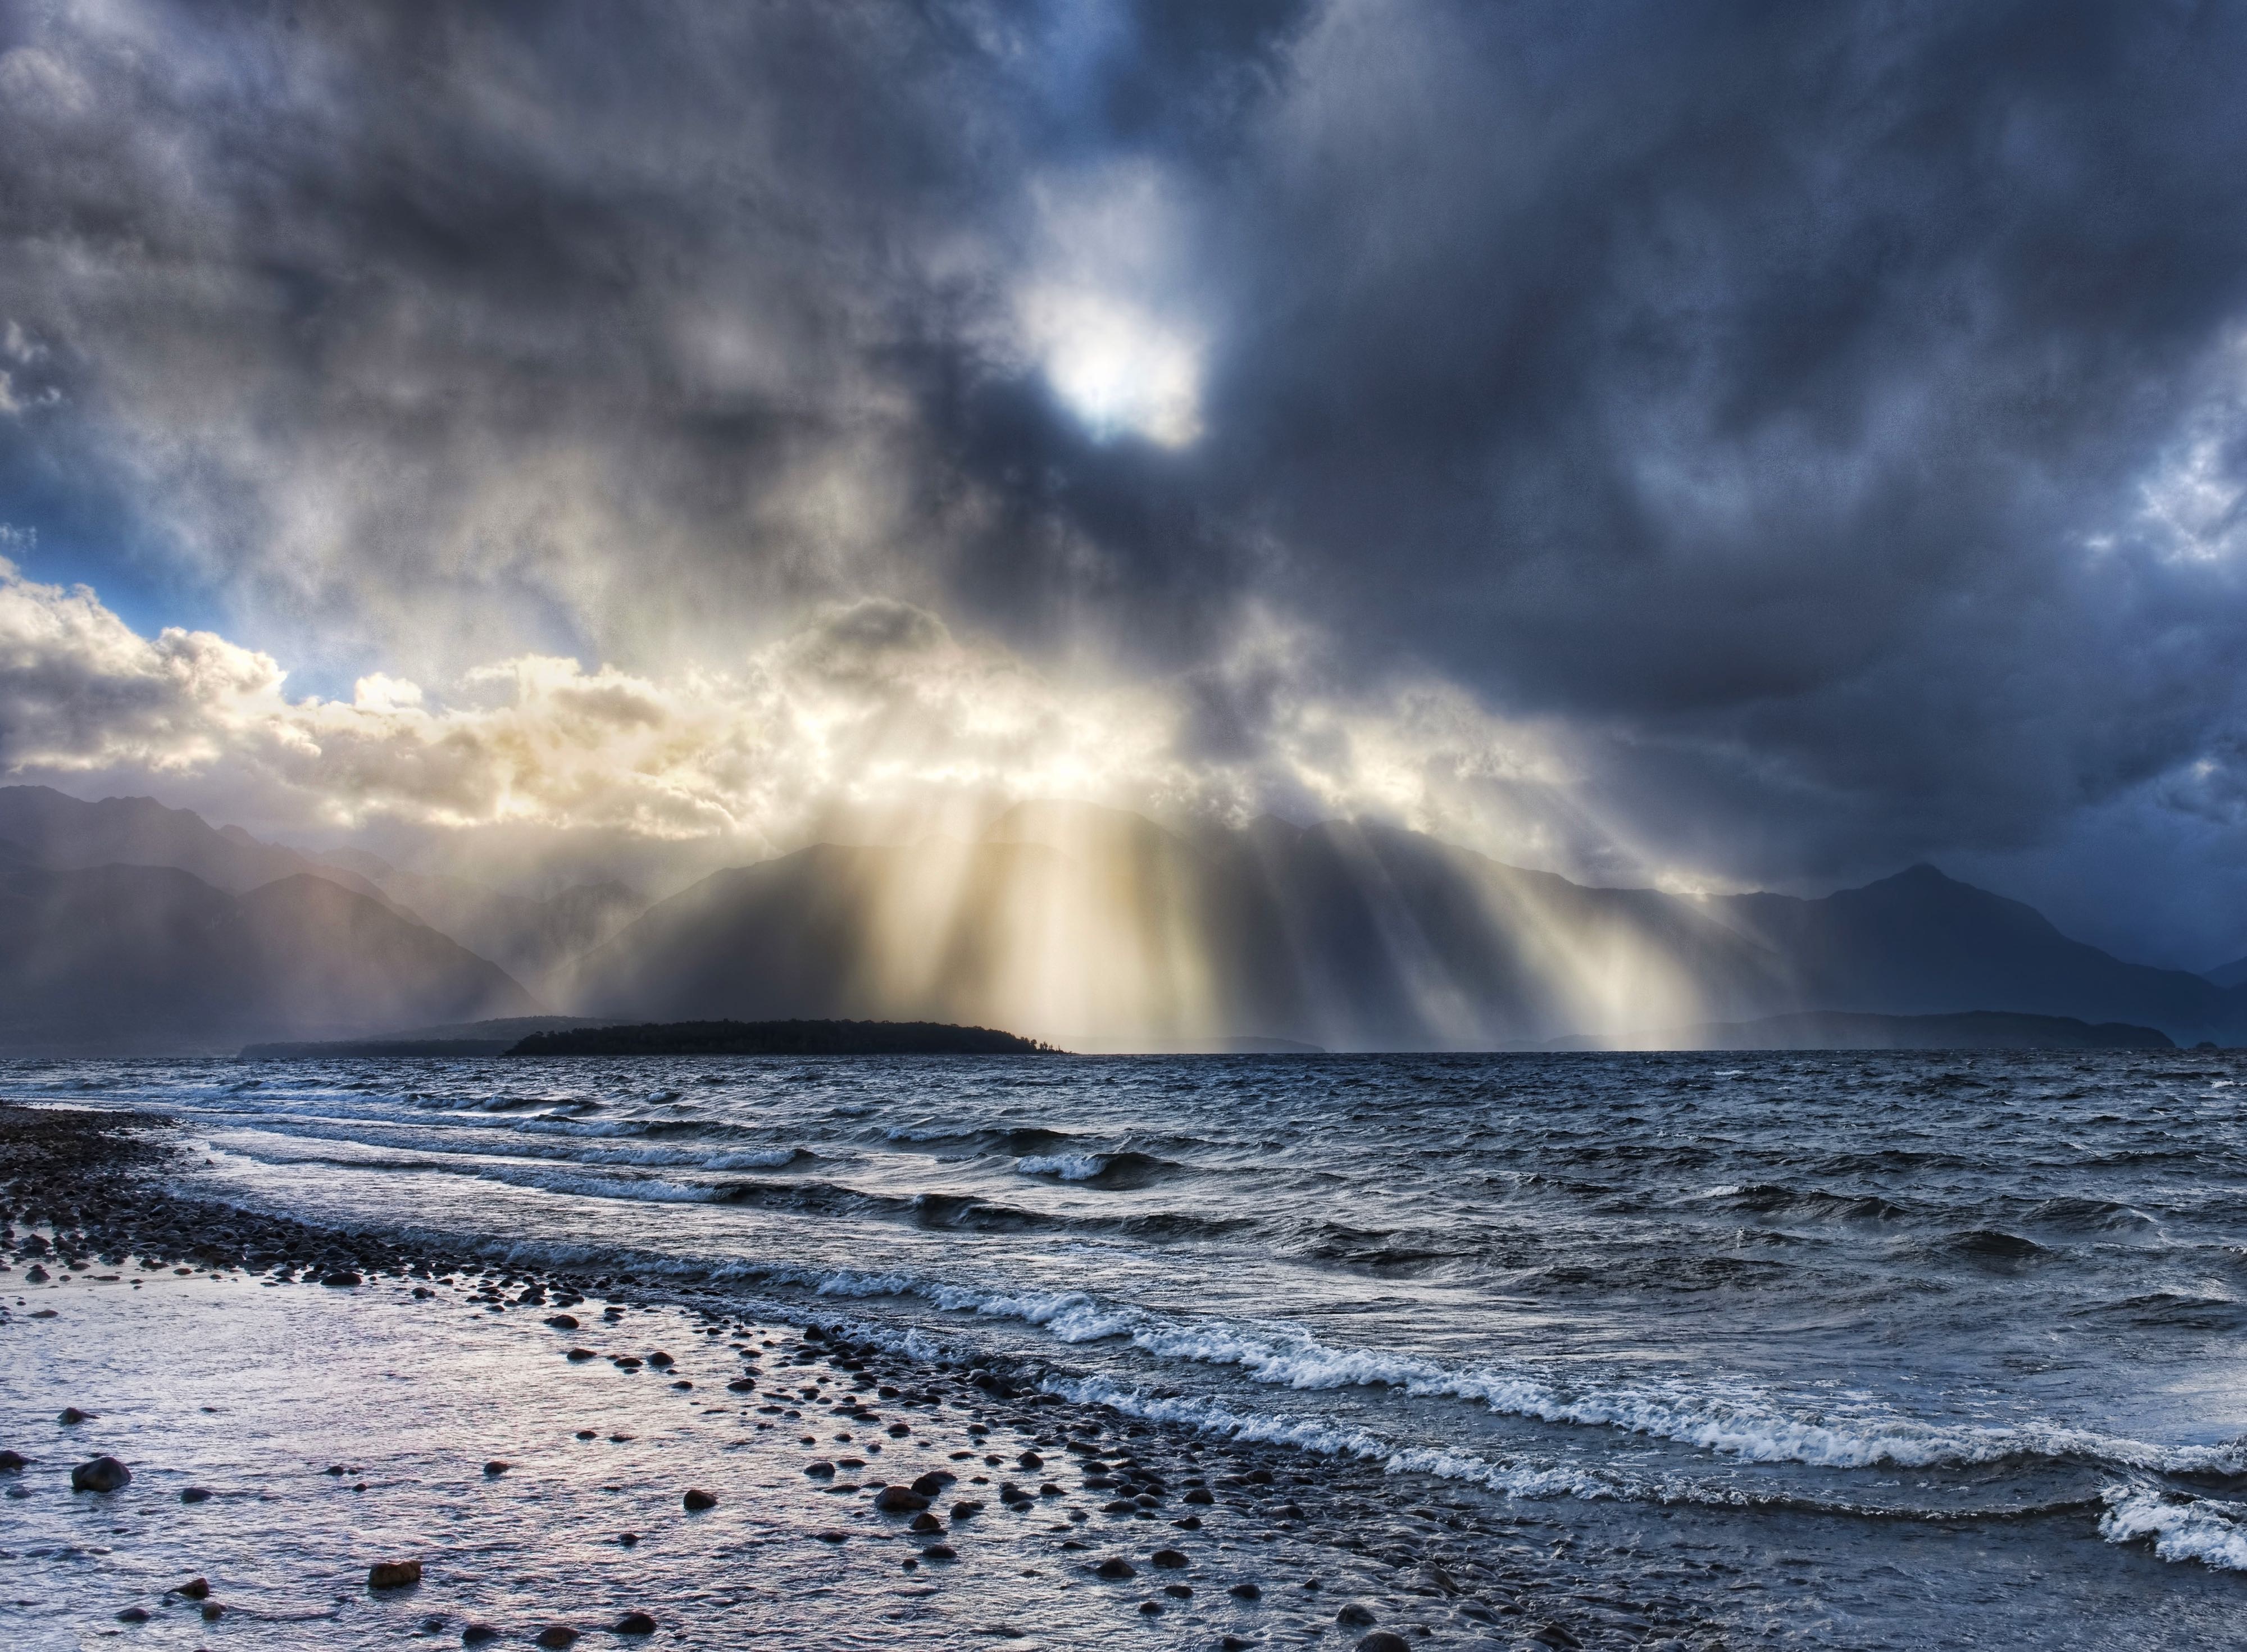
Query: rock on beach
x: 103, y: 1474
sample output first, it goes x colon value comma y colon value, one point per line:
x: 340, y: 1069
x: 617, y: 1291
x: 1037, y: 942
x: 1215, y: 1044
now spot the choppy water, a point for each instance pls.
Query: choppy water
x: 1874, y: 1291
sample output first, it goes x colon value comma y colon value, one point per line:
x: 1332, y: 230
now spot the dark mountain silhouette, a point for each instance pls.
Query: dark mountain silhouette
x: 1919, y: 943
x: 2231, y: 975
x: 120, y: 959
x: 1090, y: 926
x: 529, y: 938
x: 55, y: 829
x: 43, y: 827
x: 1083, y: 926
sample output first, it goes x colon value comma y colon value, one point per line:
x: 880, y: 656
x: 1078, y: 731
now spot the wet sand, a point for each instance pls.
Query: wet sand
x: 297, y: 1406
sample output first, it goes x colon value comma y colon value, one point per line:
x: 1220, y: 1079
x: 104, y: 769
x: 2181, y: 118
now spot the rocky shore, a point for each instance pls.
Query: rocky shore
x: 795, y: 1479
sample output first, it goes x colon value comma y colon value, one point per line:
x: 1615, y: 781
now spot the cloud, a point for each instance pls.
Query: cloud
x: 872, y: 713
x: 1816, y: 433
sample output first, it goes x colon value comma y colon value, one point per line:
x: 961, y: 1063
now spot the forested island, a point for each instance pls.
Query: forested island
x: 781, y: 1038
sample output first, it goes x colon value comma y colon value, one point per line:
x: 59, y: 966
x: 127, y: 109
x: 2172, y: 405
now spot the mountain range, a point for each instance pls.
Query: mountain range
x: 125, y: 924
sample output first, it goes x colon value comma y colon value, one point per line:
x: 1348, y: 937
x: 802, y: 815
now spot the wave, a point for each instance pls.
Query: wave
x: 1069, y: 1167
x: 1768, y: 1200
x: 2178, y: 1528
x: 1748, y: 1428
x: 1114, y: 1171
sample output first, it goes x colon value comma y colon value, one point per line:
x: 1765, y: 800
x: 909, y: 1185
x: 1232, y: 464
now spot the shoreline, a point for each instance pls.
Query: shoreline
x: 1122, y: 1525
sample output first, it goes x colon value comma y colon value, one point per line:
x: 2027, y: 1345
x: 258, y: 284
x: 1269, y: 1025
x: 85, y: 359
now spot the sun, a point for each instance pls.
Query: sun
x: 1120, y: 369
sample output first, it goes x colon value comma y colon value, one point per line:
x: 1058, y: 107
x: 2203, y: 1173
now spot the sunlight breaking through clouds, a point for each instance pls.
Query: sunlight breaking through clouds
x: 873, y: 713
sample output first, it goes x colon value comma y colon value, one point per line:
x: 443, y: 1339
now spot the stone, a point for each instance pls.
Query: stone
x: 1384, y: 1641
x: 682, y: 1382
x: 1150, y: 1608
x: 939, y: 1551
x: 581, y: 1355
x: 393, y: 1574
x: 497, y: 1466
x: 342, y: 1281
x: 832, y: 1536
x: 1257, y: 1477
x: 1029, y: 1460
x: 741, y: 1385
x: 821, y: 1469
x: 1201, y: 1495
x: 1357, y: 1616
x: 212, y: 1611
x: 103, y: 1474
x: 195, y: 1494
x: 1168, y: 1559
x: 562, y: 1321
x: 966, y: 1507
x: 71, y: 1415
x: 932, y: 1483
x: 193, y: 1589
x: 633, y: 1624
x: 696, y: 1499
x: 478, y: 1635
x: 1246, y: 1591
x: 661, y: 1361
x: 587, y: 1434
x: 13, y: 1462
x: 899, y: 1499
x: 133, y: 1615
x: 1115, y: 1568
x: 927, y: 1523
x: 555, y: 1637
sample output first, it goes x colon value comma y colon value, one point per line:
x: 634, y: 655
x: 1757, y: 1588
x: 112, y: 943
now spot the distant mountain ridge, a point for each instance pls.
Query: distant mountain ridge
x: 527, y: 937
x: 119, y: 960
x: 1072, y: 924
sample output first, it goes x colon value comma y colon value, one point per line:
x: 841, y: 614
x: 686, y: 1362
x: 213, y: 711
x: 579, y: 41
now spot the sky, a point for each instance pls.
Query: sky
x: 1716, y: 446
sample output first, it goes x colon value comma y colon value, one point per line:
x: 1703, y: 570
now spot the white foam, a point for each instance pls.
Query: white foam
x: 754, y: 1158
x: 2200, y: 1529
x: 1069, y: 1167
x: 1746, y: 1425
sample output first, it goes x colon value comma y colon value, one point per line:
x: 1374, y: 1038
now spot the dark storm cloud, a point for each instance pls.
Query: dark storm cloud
x: 1830, y: 414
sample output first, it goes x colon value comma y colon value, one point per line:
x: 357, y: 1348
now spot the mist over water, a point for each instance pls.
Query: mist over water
x: 1862, y: 1290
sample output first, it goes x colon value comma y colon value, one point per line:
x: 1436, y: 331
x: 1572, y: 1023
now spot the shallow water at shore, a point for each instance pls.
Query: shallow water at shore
x: 1947, y: 1332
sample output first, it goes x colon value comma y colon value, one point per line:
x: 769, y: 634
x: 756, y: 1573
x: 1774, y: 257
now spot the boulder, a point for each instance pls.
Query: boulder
x: 393, y: 1574
x: 698, y: 1499
x: 633, y: 1624
x: 899, y: 1499
x: 103, y: 1474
